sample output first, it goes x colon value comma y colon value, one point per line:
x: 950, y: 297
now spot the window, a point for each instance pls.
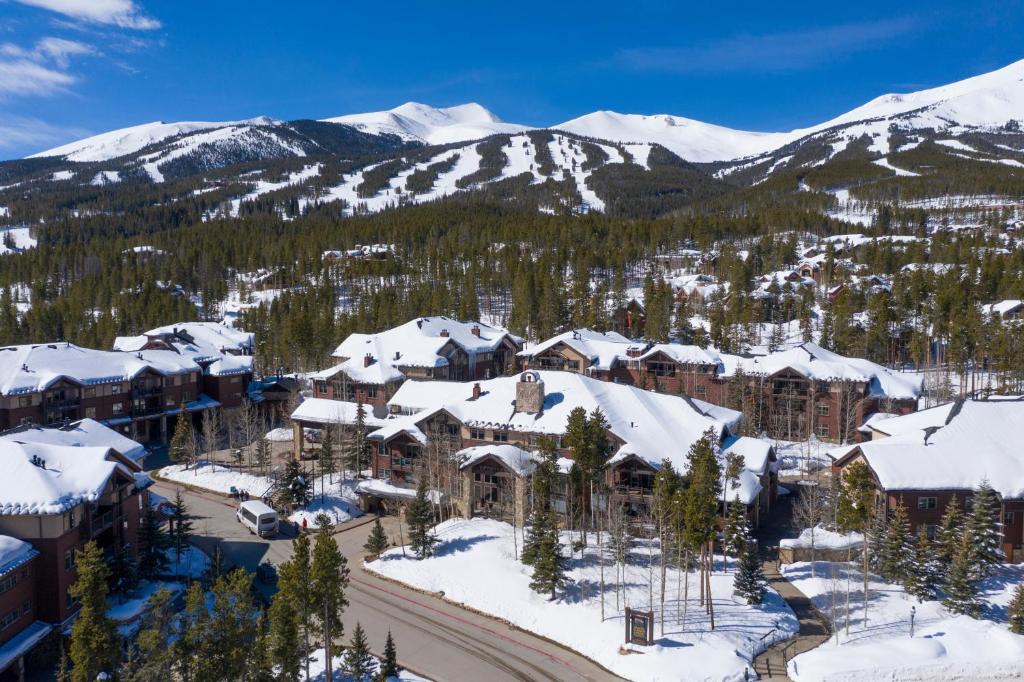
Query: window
x: 927, y: 503
x: 115, y: 389
x: 477, y: 434
x: 451, y: 429
x: 1008, y: 519
x: 26, y: 608
x: 500, y: 436
x: 69, y: 559
x: 177, y: 380
x: 90, y: 392
x: 8, y: 583
x: 822, y: 409
x: 25, y: 401
x: 371, y: 392
x: 9, y: 619
x: 385, y: 474
x: 117, y: 408
x: 186, y: 396
x: 169, y: 401
x: 822, y: 430
x: 700, y: 389
x: 90, y: 413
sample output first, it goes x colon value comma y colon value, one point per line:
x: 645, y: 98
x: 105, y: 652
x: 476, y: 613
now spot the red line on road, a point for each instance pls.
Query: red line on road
x: 466, y: 621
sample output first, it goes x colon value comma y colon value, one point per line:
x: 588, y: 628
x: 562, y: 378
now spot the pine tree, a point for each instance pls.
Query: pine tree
x: 959, y: 585
x: 264, y: 453
x: 985, y: 530
x: 549, y: 565
x: 328, y: 580
x: 734, y: 535
x: 154, y: 659
x: 182, y: 530
x: 294, y: 580
x: 357, y: 660
x: 295, y: 489
x: 1015, y: 611
x: 124, y: 572
x: 153, y: 545
x: 216, y: 568
x: 389, y: 664
x: 94, y: 642
x: 180, y: 450
x: 923, y: 573
x: 948, y: 538
x: 377, y: 542
x: 749, y: 581
x: 284, y: 644
x: 420, y: 517
x: 894, y: 549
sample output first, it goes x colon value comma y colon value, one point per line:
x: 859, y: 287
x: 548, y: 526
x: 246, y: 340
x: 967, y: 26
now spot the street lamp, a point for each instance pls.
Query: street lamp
x: 913, y: 612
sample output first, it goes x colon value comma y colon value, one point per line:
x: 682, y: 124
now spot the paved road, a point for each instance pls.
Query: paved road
x: 434, y: 638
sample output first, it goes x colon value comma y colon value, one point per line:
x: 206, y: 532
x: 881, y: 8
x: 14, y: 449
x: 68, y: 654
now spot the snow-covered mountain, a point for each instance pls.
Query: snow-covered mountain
x: 422, y: 123
x: 123, y: 141
x: 690, y: 139
x: 990, y: 100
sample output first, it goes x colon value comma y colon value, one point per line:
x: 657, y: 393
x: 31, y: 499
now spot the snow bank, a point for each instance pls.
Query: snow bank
x: 945, y: 646
x: 337, y: 500
x: 280, y: 435
x: 217, y: 478
x: 317, y: 669
x: 823, y: 539
x: 475, y: 565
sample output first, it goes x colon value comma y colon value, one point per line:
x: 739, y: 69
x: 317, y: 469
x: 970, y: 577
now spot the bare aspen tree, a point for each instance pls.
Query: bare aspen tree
x: 211, y: 432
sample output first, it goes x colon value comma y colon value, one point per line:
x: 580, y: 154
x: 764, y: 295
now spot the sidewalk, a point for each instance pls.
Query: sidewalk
x: 814, y: 627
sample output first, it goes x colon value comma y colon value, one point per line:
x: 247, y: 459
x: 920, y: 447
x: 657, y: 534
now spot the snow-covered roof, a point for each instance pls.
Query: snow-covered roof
x: 603, y: 349
x: 14, y: 553
x: 66, y: 477
x: 84, y: 433
x: 652, y: 426
x: 895, y: 425
x: 683, y: 354
x: 324, y: 411
x: 521, y: 462
x: 31, y: 368
x: 213, y: 334
x: 818, y: 364
x: 358, y: 371
x: 977, y: 443
x: 1003, y: 307
x: 227, y: 349
x: 417, y: 343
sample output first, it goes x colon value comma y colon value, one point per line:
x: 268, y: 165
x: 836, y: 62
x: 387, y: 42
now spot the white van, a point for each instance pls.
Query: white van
x: 257, y: 517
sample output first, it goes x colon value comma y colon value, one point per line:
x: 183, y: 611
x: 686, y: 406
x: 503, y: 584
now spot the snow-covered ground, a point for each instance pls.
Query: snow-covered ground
x: 801, y: 457
x: 23, y: 239
x: 337, y: 500
x: 944, y: 647
x: 126, y: 610
x: 317, y: 672
x: 217, y: 478
x: 193, y: 563
x: 475, y: 565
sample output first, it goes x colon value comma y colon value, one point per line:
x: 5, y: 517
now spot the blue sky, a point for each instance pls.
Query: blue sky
x: 69, y: 68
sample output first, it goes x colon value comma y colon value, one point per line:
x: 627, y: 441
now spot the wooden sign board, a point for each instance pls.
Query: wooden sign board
x: 639, y: 627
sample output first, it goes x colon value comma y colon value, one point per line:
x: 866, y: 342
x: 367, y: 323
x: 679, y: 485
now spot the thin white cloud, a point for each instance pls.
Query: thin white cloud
x: 788, y: 51
x: 60, y: 49
x: 123, y: 13
x: 19, y: 77
x: 28, y: 133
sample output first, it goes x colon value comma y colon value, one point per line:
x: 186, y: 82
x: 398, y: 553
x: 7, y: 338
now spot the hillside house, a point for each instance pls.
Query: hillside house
x: 932, y: 460
x: 371, y: 367
x: 224, y: 354
x: 440, y: 419
x: 57, y: 498
x: 133, y: 393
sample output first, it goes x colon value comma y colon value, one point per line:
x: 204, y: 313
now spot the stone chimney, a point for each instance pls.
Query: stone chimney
x: 367, y: 360
x: 444, y: 333
x: 475, y: 331
x: 530, y: 393
x: 476, y: 391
